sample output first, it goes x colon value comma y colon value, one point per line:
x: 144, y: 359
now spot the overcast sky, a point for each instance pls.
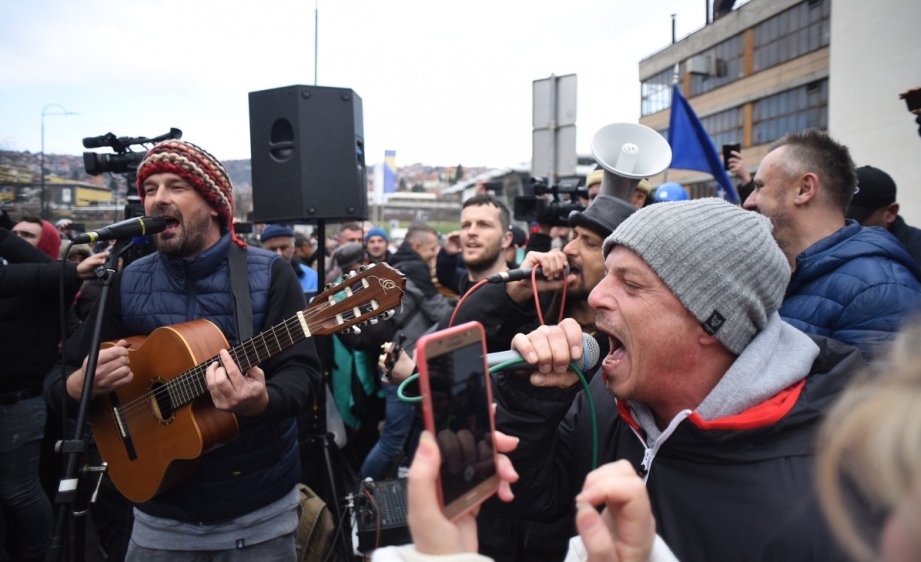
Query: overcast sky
x: 443, y: 82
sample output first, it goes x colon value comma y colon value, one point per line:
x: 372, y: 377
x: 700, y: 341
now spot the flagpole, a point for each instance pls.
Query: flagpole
x: 674, y: 83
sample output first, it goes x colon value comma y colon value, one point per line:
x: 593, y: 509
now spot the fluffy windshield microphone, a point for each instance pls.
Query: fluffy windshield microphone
x: 590, y: 354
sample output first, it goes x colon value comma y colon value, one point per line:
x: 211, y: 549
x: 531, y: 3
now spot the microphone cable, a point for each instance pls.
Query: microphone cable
x: 588, y: 397
x: 514, y: 363
x: 534, y: 291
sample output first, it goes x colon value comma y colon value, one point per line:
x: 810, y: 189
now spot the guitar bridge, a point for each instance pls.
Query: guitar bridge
x: 123, y: 428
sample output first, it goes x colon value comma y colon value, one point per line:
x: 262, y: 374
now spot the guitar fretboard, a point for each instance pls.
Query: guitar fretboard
x: 191, y: 384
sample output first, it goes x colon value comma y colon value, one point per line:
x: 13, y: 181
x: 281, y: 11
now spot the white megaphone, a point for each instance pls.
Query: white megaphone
x: 629, y: 152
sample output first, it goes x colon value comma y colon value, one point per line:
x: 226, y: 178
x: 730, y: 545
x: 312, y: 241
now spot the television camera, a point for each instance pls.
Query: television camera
x: 542, y: 202
x: 124, y: 161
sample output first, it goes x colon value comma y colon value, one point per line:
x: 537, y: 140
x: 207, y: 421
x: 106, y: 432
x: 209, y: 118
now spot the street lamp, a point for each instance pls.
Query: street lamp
x: 42, y: 172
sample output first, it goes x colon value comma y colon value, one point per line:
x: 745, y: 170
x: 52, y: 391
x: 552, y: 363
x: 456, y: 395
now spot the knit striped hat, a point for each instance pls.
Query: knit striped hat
x: 718, y: 259
x: 196, y: 166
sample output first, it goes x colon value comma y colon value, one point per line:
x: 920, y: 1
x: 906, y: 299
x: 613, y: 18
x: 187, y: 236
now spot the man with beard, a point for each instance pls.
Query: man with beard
x: 241, y: 501
x: 510, y: 309
x: 480, y: 244
x: 850, y: 283
x: 706, y: 391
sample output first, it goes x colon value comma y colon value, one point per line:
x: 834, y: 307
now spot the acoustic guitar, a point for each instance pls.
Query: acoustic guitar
x: 152, y: 431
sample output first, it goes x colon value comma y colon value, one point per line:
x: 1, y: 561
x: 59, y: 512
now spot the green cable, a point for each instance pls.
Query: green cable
x: 513, y: 363
x: 588, y: 397
x: 402, y: 396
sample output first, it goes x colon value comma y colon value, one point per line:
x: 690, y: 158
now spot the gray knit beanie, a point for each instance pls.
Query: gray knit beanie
x: 718, y: 259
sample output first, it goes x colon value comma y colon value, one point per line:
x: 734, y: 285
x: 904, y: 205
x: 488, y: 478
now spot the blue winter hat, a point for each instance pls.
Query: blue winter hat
x: 275, y: 231
x: 376, y: 232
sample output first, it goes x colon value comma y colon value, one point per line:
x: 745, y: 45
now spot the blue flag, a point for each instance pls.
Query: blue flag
x: 692, y: 148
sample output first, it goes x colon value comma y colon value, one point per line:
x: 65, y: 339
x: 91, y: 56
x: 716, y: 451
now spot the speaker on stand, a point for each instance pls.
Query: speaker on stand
x: 308, y: 166
x: 629, y: 152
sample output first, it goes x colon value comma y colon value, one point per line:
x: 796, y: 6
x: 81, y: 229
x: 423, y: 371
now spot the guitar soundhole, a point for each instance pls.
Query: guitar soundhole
x: 160, y: 404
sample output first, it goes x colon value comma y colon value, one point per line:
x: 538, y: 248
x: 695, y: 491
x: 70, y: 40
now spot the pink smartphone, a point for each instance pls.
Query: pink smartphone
x: 456, y: 399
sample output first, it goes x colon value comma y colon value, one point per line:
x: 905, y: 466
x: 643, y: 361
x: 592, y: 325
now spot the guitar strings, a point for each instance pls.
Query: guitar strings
x: 183, y: 383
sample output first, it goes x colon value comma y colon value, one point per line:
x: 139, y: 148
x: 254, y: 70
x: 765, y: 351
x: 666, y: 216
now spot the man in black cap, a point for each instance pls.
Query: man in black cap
x: 874, y: 204
x: 519, y: 240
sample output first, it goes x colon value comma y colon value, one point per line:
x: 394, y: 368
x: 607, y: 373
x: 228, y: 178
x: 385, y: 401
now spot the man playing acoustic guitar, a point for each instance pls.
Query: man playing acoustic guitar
x: 237, y: 498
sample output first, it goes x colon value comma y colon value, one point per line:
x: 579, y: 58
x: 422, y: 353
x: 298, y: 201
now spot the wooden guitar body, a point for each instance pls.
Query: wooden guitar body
x: 152, y: 431
x: 166, y: 441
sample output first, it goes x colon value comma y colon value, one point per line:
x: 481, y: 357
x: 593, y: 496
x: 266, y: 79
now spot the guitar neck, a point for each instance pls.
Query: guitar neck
x: 354, y: 300
x: 192, y: 384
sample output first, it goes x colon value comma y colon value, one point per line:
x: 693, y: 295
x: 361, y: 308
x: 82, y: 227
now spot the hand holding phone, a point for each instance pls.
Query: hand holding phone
x: 456, y: 405
x: 912, y: 100
x: 727, y: 152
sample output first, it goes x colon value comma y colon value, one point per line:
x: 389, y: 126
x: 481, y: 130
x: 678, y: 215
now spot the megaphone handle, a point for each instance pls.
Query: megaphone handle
x: 618, y: 186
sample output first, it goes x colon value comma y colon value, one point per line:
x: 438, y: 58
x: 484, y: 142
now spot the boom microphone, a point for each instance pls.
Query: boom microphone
x: 590, y: 356
x: 518, y: 275
x: 138, y: 226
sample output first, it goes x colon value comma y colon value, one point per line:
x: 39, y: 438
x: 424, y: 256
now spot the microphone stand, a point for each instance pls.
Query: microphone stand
x: 68, y: 488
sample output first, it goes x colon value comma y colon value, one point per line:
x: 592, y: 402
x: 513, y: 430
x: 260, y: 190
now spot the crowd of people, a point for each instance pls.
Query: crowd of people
x: 745, y: 350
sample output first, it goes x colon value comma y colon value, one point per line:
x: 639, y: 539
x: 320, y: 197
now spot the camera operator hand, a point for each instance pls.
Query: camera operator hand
x: 552, y: 263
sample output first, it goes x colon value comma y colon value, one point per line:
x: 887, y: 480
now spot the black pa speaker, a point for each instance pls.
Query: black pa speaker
x: 308, y: 155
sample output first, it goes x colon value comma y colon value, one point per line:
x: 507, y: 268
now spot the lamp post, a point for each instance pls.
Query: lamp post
x: 42, y: 172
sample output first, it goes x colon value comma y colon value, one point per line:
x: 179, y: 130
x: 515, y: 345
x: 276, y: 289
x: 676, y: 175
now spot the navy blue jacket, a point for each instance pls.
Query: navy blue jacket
x: 855, y: 286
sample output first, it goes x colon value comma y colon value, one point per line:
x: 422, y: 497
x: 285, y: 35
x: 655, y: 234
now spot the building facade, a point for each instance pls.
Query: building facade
x: 770, y: 67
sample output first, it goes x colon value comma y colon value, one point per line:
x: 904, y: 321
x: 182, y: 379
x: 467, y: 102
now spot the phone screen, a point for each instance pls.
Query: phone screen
x: 727, y: 152
x: 913, y: 100
x: 456, y: 403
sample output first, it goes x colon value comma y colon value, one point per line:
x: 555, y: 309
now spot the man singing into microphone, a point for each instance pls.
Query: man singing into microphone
x: 241, y: 502
x: 705, y: 390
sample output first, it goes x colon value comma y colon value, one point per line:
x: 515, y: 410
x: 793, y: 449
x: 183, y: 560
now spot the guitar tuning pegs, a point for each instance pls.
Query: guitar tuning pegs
x: 329, y: 286
x: 389, y: 314
x: 362, y: 268
x: 373, y: 320
x: 369, y: 266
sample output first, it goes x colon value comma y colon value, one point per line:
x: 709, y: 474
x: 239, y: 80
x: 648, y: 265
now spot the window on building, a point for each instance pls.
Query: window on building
x: 724, y: 127
x: 709, y: 188
x: 656, y: 92
x: 729, y: 66
x: 792, y: 33
x: 793, y: 110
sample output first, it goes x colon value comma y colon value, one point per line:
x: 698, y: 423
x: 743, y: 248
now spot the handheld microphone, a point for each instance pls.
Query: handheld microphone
x: 138, y: 226
x: 518, y: 275
x: 590, y: 356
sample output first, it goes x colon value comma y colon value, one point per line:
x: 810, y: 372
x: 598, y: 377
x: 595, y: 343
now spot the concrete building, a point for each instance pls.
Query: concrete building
x: 773, y: 66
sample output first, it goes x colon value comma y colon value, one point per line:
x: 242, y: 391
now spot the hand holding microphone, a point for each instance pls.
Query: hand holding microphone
x: 551, y: 348
x: 553, y: 268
